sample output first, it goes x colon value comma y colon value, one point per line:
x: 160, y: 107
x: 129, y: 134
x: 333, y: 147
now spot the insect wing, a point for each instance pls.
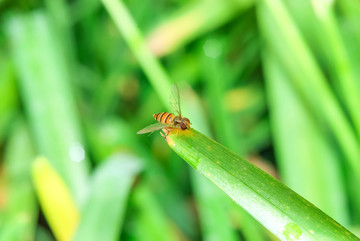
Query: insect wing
x: 175, y: 100
x: 153, y: 127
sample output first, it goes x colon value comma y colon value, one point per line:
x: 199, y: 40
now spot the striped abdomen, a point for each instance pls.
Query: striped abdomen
x: 164, y: 117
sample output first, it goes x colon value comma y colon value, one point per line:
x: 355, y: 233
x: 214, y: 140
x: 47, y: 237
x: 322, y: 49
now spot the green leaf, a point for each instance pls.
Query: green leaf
x: 109, y: 197
x: 212, y: 204
x: 151, y: 66
x: 19, y: 210
x: 9, y: 96
x: 213, y: 207
x: 47, y: 96
x: 150, y: 221
x: 216, y: 226
x: 283, y: 38
x: 282, y: 211
x: 298, y: 141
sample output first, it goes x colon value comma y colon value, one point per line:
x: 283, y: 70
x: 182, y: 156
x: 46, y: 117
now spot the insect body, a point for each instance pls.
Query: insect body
x: 164, y: 117
x: 168, y: 121
x: 177, y: 121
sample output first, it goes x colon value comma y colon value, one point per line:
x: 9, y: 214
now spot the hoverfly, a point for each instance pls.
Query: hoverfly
x: 168, y: 121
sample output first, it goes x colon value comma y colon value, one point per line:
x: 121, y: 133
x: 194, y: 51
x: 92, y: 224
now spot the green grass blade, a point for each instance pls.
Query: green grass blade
x: 282, y: 211
x: 161, y: 83
x: 19, y: 210
x: 9, y: 96
x: 340, y: 63
x: 285, y: 40
x: 191, y: 21
x: 217, y: 81
x: 351, y: 15
x: 251, y: 229
x: 150, y: 222
x: 134, y: 39
x: 46, y: 91
x: 298, y: 141
x: 111, y: 186
x: 215, y: 223
x: 213, y: 207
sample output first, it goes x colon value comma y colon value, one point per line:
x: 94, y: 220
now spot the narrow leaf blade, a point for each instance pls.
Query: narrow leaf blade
x: 282, y: 211
x: 108, y: 199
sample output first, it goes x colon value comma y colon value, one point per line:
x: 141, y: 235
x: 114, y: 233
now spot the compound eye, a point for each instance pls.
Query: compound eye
x: 183, y: 126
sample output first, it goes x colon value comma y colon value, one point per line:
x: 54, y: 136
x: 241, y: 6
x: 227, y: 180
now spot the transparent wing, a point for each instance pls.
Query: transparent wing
x: 153, y: 127
x: 175, y: 100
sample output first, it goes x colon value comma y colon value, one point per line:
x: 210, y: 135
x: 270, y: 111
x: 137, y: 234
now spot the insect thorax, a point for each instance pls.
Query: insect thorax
x: 177, y: 119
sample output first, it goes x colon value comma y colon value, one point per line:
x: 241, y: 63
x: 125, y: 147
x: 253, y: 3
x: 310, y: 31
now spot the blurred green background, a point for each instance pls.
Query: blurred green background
x: 275, y: 81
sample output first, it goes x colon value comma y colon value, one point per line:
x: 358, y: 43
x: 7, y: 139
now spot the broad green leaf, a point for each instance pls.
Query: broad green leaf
x: 282, y: 211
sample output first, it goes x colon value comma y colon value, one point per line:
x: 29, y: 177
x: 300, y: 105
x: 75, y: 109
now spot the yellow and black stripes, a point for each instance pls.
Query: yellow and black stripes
x: 164, y: 117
